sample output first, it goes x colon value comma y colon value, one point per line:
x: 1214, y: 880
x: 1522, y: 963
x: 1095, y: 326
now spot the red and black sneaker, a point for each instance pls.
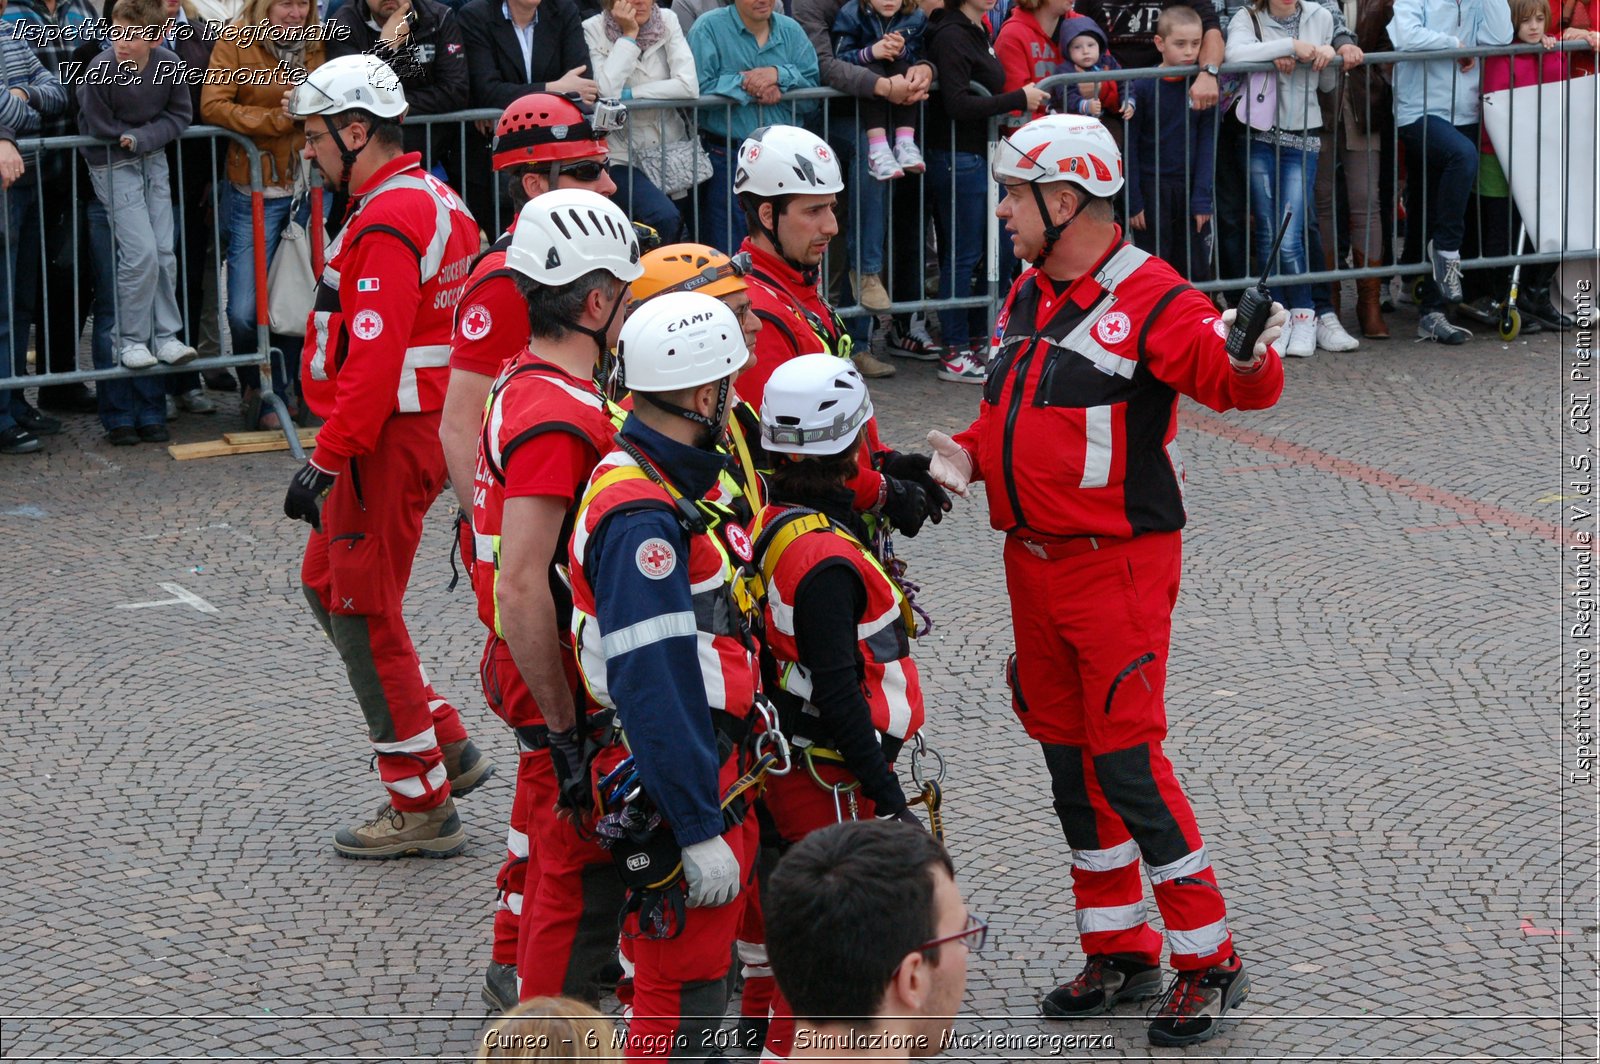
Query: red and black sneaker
x: 1194, y: 1005
x: 1105, y: 980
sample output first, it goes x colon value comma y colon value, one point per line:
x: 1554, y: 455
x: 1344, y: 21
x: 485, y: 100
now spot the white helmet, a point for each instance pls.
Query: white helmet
x: 814, y: 404
x: 785, y: 160
x: 564, y: 234
x: 350, y: 83
x: 1072, y: 148
x: 679, y: 340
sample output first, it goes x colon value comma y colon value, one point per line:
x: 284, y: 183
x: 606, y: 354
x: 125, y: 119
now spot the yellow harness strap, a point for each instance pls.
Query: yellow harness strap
x: 795, y: 527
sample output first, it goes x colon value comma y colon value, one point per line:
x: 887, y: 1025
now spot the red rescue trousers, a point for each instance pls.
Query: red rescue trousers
x: 680, y: 986
x: 799, y: 807
x: 559, y: 892
x: 1092, y: 633
x: 354, y: 573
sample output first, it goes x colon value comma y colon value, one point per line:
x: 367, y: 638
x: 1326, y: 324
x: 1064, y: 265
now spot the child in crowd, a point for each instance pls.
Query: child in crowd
x: 885, y: 36
x: 1298, y: 36
x: 1499, y: 219
x: 1026, y: 48
x: 1085, y: 45
x: 1169, y: 155
x: 122, y: 99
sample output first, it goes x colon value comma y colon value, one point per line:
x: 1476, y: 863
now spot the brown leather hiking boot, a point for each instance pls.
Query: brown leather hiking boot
x: 1105, y: 980
x: 466, y: 766
x: 390, y: 833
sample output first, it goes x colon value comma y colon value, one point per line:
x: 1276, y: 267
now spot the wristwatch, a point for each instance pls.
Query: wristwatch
x: 1210, y: 68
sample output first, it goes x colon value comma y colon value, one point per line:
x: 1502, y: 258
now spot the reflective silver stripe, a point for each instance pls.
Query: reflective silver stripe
x: 1175, y: 456
x: 1112, y: 365
x: 1187, y: 865
x: 412, y: 787
x: 1120, y: 266
x: 896, y: 698
x: 424, y: 740
x: 1201, y: 940
x: 319, y: 360
x: 407, y: 398
x: 1119, y: 856
x: 646, y: 632
x: 1111, y: 918
x: 516, y: 842
x: 1096, y: 447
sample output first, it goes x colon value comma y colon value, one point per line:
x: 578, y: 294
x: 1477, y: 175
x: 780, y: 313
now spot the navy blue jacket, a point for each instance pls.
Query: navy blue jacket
x: 857, y: 27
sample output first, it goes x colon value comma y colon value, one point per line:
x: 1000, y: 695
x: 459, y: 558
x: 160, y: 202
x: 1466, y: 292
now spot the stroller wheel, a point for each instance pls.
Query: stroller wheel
x: 1510, y: 323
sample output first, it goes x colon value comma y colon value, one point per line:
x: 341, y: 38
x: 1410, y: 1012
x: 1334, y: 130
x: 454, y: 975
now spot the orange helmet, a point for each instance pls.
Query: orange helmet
x: 542, y: 127
x: 691, y: 268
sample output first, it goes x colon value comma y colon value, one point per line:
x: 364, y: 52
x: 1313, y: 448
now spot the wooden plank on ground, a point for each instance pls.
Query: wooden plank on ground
x: 249, y: 443
x: 266, y: 436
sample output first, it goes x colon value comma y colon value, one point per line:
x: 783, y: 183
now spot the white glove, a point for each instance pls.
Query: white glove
x: 951, y: 465
x: 1269, y: 336
x: 713, y: 873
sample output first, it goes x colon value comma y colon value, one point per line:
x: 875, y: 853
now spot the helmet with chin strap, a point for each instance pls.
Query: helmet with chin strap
x: 813, y: 405
x: 681, y: 340
x: 349, y: 83
x: 542, y: 129
x: 1073, y: 148
x: 779, y: 161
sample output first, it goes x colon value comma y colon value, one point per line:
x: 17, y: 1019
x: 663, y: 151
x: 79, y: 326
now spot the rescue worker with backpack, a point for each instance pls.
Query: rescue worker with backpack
x: 838, y: 627
x: 374, y: 370
x: 1076, y: 437
x: 545, y: 427
x: 663, y: 619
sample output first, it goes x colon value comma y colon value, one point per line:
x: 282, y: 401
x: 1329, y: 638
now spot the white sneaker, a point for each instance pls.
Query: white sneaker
x: 909, y: 156
x: 962, y: 368
x: 175, y: 353
x: 1400, y: 292
x: 1331, y: 335
x: 1302, y: 338
x: 195, y: 401
x: 137, y: 356
x: 882, y: 165
x: 172, y: 408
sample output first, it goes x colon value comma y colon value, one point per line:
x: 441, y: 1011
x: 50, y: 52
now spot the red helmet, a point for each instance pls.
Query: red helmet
x: 542, y: 127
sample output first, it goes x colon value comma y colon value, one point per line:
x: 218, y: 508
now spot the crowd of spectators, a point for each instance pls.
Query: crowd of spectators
x: 1314, y: 139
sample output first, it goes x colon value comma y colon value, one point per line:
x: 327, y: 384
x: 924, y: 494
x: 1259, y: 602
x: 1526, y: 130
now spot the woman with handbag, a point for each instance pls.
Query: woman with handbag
x: 640, y: 54
x: 1281, y: 109
x: 253, y: 105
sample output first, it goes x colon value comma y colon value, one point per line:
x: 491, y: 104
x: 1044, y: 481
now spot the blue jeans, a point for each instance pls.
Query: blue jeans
x: 958, y: 199
x: 642, y: 201
x: 1282, y: 179
x: 15, y: 204
x: 123, y: 403
x: 867, y: 201
x: 1441, y: 170
x: 721, y: 216
x: 240, y: 227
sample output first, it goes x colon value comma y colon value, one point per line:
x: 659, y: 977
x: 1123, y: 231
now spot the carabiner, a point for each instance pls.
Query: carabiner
x: 918, y: 752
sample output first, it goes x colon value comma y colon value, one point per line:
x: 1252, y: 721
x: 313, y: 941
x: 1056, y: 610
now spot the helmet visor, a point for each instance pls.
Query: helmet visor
x: 1013, y: 164
x: 309, y: 99
x: 795, y: 437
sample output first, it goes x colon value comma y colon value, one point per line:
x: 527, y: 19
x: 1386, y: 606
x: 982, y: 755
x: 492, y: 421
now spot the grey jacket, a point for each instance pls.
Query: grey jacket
x: 150, y: 106
x: 1297, y: 92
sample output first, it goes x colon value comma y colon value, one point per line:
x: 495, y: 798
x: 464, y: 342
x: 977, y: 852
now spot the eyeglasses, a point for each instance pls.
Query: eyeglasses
x: 312, y: 138
x: 976, y: 929
x: 587, y: 171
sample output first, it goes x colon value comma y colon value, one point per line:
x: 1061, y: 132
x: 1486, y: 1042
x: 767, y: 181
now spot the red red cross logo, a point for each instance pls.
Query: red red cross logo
x: 475, y: 322
x: 655, y: 558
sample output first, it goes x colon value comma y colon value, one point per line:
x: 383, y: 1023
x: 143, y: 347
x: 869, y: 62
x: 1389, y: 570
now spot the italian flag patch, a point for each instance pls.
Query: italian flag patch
x: 367, y: 284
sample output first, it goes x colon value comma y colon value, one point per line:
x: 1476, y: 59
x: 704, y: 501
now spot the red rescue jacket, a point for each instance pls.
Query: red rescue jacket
x: 378, y: 339
x: 1077, y: 429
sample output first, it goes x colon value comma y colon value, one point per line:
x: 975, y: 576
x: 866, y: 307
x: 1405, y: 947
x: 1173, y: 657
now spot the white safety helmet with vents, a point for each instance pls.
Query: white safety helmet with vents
x: 813, y: 404
x: 1073, y: 148
x: 564, y: 234
x: 350, y: 83
x: 785, y: 161
x: 679, y: 340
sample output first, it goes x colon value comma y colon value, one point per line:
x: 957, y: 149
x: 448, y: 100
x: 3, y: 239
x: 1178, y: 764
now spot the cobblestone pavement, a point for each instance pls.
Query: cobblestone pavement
x: 1365, y: 697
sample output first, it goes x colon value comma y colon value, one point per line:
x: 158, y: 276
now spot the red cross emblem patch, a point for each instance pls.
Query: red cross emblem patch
x: 1113, y: 328
x: 367, y: 325
x: 739, y: 540
x: 656, y: 559
x: 476, y: 321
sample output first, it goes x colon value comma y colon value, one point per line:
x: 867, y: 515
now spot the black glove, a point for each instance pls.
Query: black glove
x: 906, y: 816
x: 905, y: 504
x: 571, y: 753
x: 306, y: 491
x: 914, y: 467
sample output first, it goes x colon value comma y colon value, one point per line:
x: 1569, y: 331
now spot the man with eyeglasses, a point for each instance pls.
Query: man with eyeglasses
x: 373, y: 368
x: 702, y: 268
x: 905, y: 977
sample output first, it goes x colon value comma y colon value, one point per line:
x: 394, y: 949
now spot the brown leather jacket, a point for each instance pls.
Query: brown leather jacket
x: 256, y: 110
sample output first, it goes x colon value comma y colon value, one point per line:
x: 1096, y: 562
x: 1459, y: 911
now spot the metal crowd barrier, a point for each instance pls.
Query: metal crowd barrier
x: 1578, y: 181
x: 458, y: 142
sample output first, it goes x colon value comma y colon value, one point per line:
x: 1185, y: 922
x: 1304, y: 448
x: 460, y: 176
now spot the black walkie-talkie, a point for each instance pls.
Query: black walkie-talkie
x: 1255, y: 306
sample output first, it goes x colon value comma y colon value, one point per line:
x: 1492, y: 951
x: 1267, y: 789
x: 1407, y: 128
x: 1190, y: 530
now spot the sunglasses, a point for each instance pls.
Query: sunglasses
x: 587, y: 171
